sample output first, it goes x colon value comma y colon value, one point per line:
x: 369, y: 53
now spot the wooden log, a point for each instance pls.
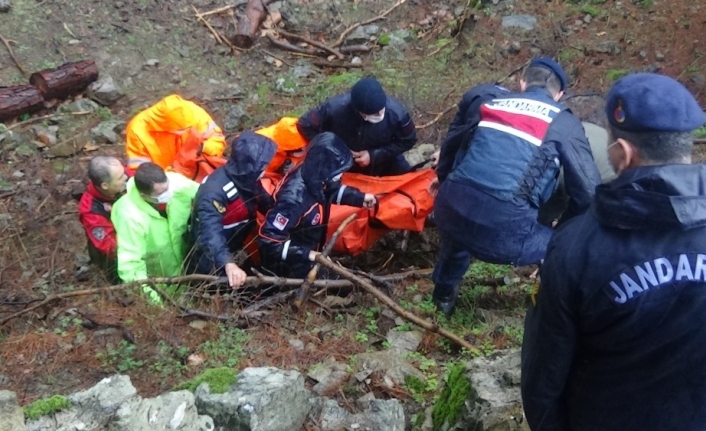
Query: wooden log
x: 18, y: 100
x: 249, y: 23
x: 65, y: 81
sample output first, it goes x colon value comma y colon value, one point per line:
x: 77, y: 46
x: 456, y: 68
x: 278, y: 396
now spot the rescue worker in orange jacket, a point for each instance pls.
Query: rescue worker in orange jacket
x: 172, y: 126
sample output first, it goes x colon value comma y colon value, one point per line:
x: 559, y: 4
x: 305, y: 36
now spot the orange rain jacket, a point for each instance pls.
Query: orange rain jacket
x: 288, y: 139
x: 160, y: 132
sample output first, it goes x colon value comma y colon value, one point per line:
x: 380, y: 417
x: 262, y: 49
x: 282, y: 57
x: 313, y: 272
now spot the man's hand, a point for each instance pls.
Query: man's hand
x: 236, y: 276
x: 362, y: 158
x: 435, y: 158
x: 369, y: 201
x: 434, y: 187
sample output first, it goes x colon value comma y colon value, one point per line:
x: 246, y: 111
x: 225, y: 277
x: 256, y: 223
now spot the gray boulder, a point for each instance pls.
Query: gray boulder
x: 404, y: 341
x: 263, y: 399
x: 11, y: 416
x: 80, y: 105
x: 5, y: 5
x: 108, y: 132
x: 171, y: 411
x: 419, y: 153
x: 357, y: 37
x: 393, y: 367
x: 234, y: 117
x: 328, y: 376
x: 495, y: 403
x: 524, y: 22
x: 400, y: 38
x: 378, y: 415
x: 105, y: 91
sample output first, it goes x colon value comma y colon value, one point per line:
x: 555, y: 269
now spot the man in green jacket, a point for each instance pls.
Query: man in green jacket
x: 150, y: 223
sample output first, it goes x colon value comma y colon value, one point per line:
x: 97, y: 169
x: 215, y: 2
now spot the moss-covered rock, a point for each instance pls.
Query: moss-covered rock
x: 449, y: 406
x: 219, y: 380
x: 46, y: 406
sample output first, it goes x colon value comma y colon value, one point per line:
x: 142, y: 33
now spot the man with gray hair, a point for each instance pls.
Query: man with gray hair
x: 107, y: 178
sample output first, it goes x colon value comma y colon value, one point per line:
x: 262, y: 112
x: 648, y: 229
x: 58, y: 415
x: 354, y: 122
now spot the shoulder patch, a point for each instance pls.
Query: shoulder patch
x: 98, y: 233
x: 219, y: 207
x: 280, y: 221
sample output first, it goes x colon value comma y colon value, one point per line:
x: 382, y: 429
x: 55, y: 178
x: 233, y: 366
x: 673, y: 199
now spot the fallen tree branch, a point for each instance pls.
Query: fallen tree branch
x: 12, y: 54
x: 311, y: 42
x: 437, y: 118
x: 46, y: 117
x: 303, y: 293
x: 200, y: 17
x: 289, y: 47
x: 323, y: 63
x: 224, y: 8
x: 429, y: 326
x: 419, y: 273
x: 349, y: 30
x: 351, y: 49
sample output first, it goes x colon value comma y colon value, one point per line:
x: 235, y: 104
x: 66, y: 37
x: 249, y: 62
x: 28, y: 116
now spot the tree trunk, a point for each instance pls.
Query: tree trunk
x: 65, y: 81
x: 249, y: 23
x: 18, y: 100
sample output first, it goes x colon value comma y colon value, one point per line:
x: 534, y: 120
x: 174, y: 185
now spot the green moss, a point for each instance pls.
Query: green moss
x: 700, y: 132
x: 615, y: 74
x: 591, y: 10
x: 452, y: 399
x: 46, y: 406
x: 384, y: 39
x: 219, y: 380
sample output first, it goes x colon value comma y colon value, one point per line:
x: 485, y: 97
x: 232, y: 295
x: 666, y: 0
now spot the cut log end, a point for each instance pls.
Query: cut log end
x: 242, y: 41
x: 19, y: 100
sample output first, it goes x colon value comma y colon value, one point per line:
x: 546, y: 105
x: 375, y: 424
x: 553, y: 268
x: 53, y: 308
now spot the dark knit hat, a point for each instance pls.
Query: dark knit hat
x: 643, y: 102
x: 554, y: 67
x: 367, y: 96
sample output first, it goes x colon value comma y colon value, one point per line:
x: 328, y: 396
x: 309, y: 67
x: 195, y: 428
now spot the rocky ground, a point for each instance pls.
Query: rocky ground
x: 425, y: 52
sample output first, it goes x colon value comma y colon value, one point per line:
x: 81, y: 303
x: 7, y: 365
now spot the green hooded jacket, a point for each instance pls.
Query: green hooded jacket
x: 150, y: 245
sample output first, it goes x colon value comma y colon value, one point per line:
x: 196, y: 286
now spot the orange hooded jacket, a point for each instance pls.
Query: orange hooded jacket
x: 158, y: 133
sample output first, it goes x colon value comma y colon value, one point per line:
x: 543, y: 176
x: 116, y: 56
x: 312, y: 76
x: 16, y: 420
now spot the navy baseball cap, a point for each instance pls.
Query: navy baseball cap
x: 643, y: 102
x: 554, y: 67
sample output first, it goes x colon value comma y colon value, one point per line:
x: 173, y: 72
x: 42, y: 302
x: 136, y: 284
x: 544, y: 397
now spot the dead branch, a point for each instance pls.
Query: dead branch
x: 513, y: 71
x: 437, y: 118
x: 264, y: 51
x: 351, y: 49
x: 311, y: 42
x: 415, y: 274
x: 224, y: 8
x: 429, y: 326
x: 289, y: 47
x: 45, y: 117
x: 323, y: 63
x: 699, y: 141
x: 303, y: 292
x: 200, y: 17
x: 350, y: 29
x: 12, y: 54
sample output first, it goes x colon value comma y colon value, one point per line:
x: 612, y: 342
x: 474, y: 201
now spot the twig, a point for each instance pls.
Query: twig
x: 12, y: 54
x: 68, y: 30
x: 351, y: 49
x: 429, y: 326
x: 264, y: 51
x: 225, y: 8
x: 514, y: 71
x: 421, y: 273
x: 303, y: 292
x: 200, y: 17
x: 350, y: 29
x: 289, y: 47
x: 8, y: 194
x: 322, y: 63
x: 437, y: 118
x: 311, y: 42
x: 45, y: 117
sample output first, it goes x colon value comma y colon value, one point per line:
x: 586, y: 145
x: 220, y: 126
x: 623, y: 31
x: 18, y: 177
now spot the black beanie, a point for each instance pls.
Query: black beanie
x: 367, y: 96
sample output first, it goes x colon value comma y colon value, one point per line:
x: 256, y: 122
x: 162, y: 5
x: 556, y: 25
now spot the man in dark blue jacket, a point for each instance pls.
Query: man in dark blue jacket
x: 225, y: 207
x: 616, y: 338
x: 493, y: 184
x: 295, y: 228
x: 376, y: 128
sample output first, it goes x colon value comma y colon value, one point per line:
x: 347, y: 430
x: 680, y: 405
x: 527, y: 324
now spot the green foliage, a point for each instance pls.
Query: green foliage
x: 227, y: 349
x: 168, y: 360
x: 384, y: 39
x: 404, y: 327
x: 591, y: 10
x: 361, y: 337
x: 700, y: 132
x: 104, y: 113
x: 482, y: 270
x: 121, y: 357
x: 219, y: 380
x: 615, y: 74
x: 46, y: 406
x: 457, y: 390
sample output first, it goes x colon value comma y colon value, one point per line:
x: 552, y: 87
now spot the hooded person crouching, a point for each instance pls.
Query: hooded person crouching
x: 294, y: 230
x: 226, y: 206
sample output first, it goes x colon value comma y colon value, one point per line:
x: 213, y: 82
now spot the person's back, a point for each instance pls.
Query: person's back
x: 615, y: 338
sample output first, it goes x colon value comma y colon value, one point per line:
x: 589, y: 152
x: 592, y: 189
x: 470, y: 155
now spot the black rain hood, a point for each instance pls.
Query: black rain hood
x: 249, y: 156
x: 663, y: 197
x: 327, y: 156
